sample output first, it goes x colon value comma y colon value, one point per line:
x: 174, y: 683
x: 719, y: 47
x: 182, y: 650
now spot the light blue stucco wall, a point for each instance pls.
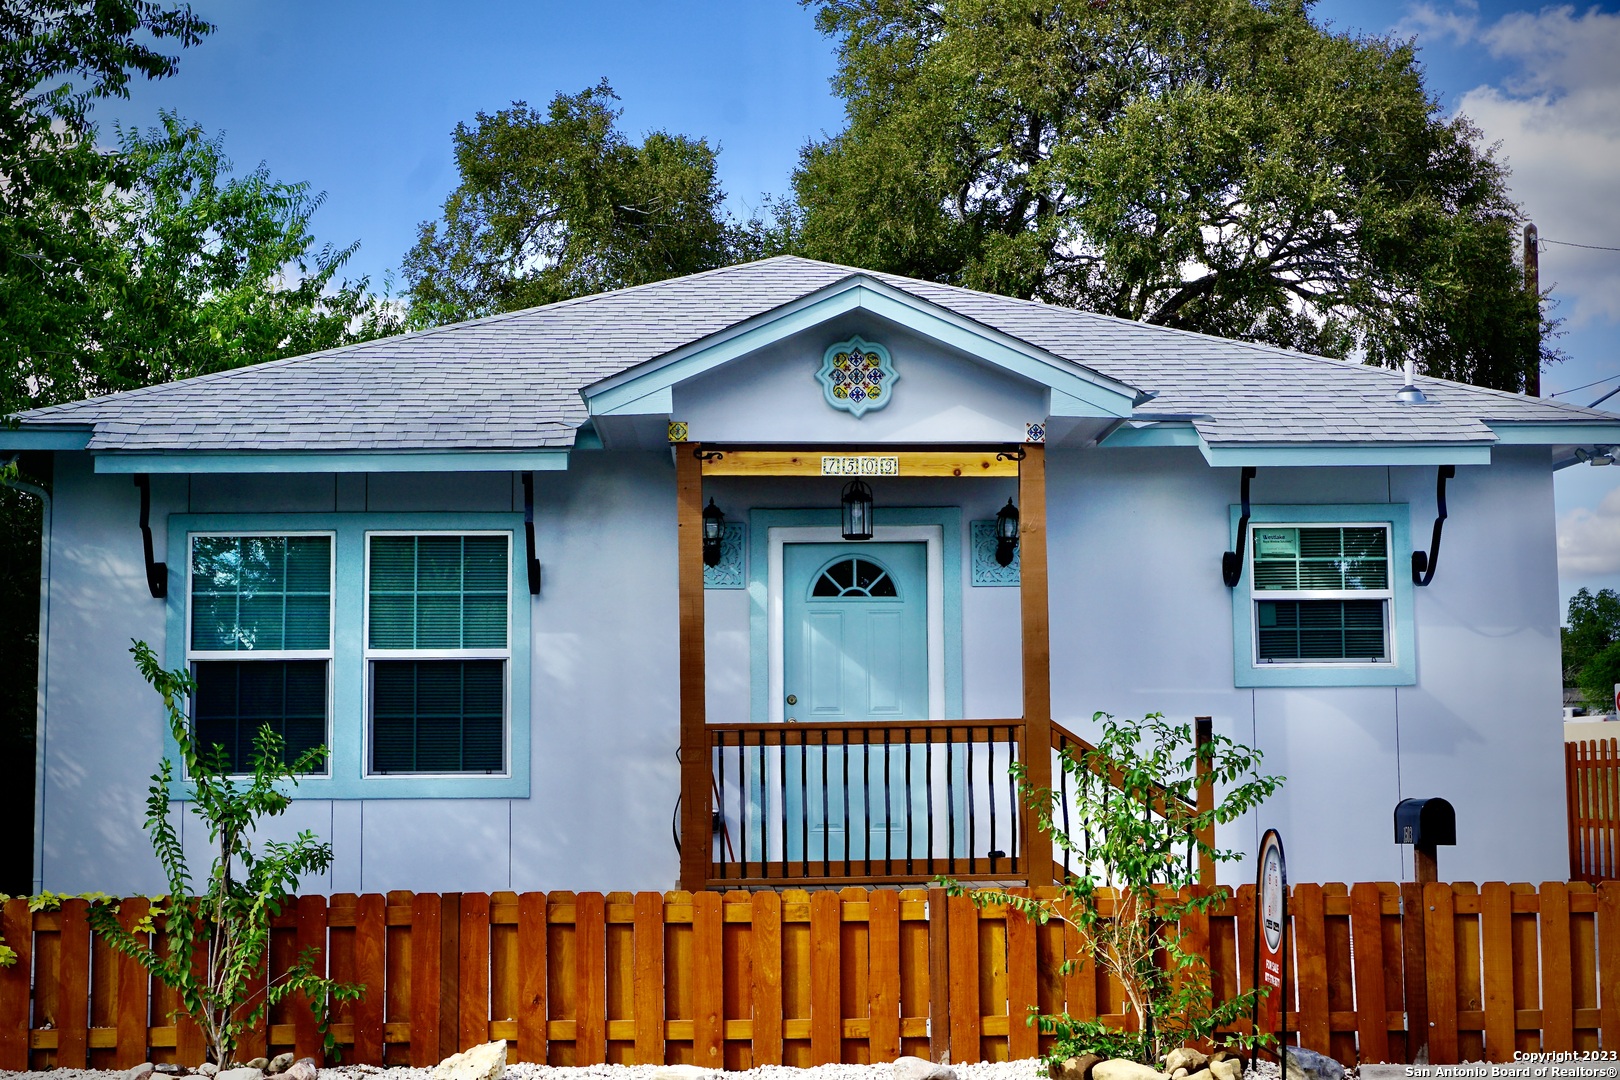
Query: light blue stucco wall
x: 1140, y: 622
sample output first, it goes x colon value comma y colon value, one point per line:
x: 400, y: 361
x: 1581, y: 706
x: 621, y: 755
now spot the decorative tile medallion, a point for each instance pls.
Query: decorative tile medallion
x: 1035, y: 433
x: 677, y: 431
x: 729, y: 574
x: 857, y: 376
x: 986, y: 571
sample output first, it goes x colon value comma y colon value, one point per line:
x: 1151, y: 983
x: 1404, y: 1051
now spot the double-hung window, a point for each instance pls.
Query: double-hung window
x: 259, y: 641
x: 1322, y: 602
x: 438, y: 652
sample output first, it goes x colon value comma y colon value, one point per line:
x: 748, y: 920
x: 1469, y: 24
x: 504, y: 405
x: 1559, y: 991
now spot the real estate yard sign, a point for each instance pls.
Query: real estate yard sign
x: 1271, y: 951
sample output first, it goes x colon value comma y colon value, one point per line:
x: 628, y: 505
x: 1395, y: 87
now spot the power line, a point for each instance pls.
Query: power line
x: 1588, y: 247
x: 1595, y: 382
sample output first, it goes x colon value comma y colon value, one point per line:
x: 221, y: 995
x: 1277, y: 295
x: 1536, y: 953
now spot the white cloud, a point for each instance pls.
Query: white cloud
x: 1589, y: 540
x: 1556, y: 114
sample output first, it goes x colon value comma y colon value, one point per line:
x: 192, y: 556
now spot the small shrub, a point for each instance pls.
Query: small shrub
x: 225, y: 928
x: 1142, y: 858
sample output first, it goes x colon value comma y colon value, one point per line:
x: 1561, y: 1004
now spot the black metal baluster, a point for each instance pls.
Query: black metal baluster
x: 826, y: 812
x: 866, y: 797
x: 911, y: 801
x: 950, y: 805
x: 843, y: 750
x: 990, y: 780
x: 1063, y: 787
x: 888, y: 812
x: 928, y: 783
x: 972, y: 807
x: 721, y: 800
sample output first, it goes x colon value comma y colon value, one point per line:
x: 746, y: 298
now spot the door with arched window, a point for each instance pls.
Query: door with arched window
x: 855, y: 649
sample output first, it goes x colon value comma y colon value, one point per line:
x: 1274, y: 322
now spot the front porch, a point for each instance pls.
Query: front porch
x: 768, y: 803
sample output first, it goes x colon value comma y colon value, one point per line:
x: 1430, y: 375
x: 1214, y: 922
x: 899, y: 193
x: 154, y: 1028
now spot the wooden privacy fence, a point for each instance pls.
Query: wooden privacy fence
x: 738, y: 979
x: 1592, y: 786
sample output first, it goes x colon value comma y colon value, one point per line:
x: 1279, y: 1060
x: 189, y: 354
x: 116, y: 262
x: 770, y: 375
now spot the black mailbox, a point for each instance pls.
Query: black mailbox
x: 1425, y: 823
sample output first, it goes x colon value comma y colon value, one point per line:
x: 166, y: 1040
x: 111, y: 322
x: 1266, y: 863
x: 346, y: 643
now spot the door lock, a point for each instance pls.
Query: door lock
x: 793, y: 699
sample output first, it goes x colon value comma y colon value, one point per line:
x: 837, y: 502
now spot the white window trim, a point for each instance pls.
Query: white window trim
x: 369, y: 654
x: 1386, y: 594
x: 193, y: 656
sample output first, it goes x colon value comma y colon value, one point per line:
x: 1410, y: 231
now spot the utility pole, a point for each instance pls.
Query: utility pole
x: 1532, y: 284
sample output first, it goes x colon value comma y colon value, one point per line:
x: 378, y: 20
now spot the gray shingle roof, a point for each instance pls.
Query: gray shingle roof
x: 512, y: 381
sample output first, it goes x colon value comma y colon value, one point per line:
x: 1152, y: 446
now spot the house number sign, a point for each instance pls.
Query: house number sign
x: 860, y: 465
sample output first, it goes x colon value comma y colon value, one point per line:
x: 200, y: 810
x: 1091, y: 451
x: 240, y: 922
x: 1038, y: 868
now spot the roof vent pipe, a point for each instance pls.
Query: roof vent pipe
x: 1409, y: 393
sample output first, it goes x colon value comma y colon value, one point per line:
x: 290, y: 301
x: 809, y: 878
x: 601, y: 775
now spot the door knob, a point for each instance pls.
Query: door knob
x: 793, y: 699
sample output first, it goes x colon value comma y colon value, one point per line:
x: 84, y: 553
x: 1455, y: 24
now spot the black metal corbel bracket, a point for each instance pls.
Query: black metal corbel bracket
x: 1232, y: 561
x: 528, y: 533
x: 157, y: 574
x: 1423, y: 563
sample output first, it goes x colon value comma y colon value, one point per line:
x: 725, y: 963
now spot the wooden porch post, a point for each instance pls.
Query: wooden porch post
x: 696, y: 812
x: 1037, y: 652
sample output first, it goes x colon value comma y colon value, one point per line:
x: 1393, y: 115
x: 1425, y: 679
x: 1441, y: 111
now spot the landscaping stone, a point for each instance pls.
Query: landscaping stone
x: 486, y: 1062
x: 1122, y: 1069
x: 1075, y: 1068
x: 302, y: 1069
x: 916, y: 1068
x: 1309, y: 1065
x: 682, y: 1072
x: 1184, y: 1058
x: 207, y: 1068
x: 279, y: 1064
x: 256, y: 1063
x: 1201, y: 1074
x: 1224, y: 1066
x: 168, y: 1069
x: 243, y: 1073
x: 140, y: 1072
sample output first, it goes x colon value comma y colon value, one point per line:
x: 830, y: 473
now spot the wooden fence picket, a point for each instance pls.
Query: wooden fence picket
x: 734, y: 980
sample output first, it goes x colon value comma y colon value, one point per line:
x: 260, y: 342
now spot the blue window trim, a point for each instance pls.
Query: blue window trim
x: 761, y: 522
x: 1401, y: 671
x: 347, y: 777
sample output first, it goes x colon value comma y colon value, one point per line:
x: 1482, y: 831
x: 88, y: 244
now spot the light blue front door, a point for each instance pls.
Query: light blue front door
x: 855, y: 649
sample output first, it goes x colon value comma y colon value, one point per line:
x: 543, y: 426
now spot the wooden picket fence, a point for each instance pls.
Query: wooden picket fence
x: 1592, y: 787
x: 737, y: 979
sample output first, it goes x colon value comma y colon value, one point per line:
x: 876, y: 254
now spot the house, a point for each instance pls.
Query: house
x: 561, y: 586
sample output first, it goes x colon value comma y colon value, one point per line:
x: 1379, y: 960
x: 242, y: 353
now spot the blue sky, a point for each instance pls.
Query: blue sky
x: 358, y: 98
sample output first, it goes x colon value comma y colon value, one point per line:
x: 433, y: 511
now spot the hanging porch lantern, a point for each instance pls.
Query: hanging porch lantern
x: 857, y: 511
x: 1006, y: 533
x: 714, y: 532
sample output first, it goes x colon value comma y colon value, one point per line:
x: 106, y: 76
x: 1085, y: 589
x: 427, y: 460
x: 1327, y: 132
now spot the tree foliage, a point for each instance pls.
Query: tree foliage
x: 559, y: 203
x: 1226, y: 166
x: 215, y: 943
x: 1594, y: 625
x: 1140, y: 859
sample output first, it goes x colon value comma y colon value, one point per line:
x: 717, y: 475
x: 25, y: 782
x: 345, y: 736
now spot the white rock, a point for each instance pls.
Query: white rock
x: 302, y: 1069
x: 207, y: 1068
x: 140, y: 1072
x: 681, y: 1072
x: 486, y: 1062
x: 1184, y: 1057
x: 1121, y: 1069
x: 256, y: 1063
x: 1227, y: 1069
x: 916, y: 1068
x: 243, y: 1073
x: 279, y: 1064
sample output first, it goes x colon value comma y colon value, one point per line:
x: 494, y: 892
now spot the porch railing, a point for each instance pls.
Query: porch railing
x: 890, y: 803
x: 895, y: 802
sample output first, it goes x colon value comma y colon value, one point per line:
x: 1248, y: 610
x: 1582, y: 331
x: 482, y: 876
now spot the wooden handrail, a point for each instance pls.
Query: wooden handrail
x: 1112, y: 773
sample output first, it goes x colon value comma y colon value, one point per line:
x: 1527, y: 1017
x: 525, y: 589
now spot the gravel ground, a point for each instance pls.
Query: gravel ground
x: 1028, y: 1069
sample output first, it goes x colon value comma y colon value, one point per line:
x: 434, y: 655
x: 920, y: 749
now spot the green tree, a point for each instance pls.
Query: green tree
x: 226, y: 926
x: 1599, y: 676
x: 1226, y: 166
x: 558, y: 204
x: 1594, y: 625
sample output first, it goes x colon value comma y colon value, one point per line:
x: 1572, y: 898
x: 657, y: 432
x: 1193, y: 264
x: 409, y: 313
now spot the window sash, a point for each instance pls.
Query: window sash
x: 237, y: 653
x: 1320, y: 598
x: 398, y: 596
x: 1386, y: 592
x: 244, y: 725
x: 376, y: 655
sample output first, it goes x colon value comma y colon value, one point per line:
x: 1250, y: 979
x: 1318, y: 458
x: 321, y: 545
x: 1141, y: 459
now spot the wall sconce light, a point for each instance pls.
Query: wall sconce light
x: 857, y: 511
x: 714, y: 533
x: 1006, y: 533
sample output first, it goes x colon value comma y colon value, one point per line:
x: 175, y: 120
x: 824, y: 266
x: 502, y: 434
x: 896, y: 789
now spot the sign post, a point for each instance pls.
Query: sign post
x: 1271, y: 952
